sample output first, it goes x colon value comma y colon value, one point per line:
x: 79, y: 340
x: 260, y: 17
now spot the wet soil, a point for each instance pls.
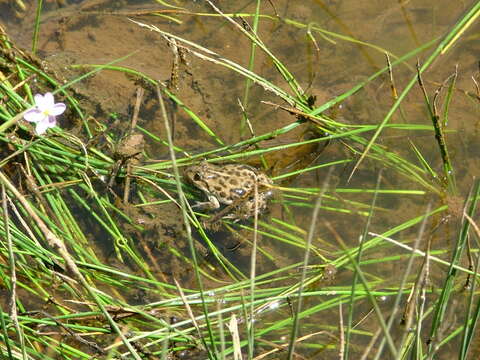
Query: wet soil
x: 99, y: 32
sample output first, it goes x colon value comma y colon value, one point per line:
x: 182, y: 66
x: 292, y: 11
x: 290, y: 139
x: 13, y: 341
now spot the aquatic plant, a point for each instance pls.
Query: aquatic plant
x: 44, y: 113
x: 103, y: 255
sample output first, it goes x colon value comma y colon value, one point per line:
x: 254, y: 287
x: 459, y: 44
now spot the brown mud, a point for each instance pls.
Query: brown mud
x: 97, y: 32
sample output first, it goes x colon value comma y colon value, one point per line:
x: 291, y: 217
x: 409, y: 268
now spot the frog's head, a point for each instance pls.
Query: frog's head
x: 197, y: 175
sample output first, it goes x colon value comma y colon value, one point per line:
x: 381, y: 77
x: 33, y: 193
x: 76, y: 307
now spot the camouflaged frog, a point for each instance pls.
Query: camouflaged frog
x: 231, y: 184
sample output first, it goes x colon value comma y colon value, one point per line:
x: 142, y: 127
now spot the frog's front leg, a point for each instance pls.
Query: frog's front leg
x: 212, y: 204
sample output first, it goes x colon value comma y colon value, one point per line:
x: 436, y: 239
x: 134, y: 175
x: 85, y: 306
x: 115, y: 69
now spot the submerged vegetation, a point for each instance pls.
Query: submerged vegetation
x: 369, y: 248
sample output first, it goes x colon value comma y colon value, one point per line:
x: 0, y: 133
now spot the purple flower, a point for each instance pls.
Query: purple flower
x: 44, y: 112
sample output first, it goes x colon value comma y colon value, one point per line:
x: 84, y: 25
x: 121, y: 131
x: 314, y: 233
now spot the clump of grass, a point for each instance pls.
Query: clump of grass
x: 58, y: 200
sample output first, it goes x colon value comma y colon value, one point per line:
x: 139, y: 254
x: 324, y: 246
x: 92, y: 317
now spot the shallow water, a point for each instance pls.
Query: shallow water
x: 98, y: 32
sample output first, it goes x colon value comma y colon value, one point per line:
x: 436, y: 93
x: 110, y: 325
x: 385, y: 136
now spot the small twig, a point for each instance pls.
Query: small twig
x: 477, y: 87
x: 126, y: 188
x: 390, y: 74
x: 13, y: 274
x: 282, y: 347
x: 233, y: 328
x: 296, y: 112
x: 316, y: 66
x: 274, y: 8
x: 247, y: 119
x: 77, y: 337
x: 136, y: 108
x: 133, y: 124
x: 173, y: 82
x: 155, y: 185
x: 188, y: 307
x: 368, y: 349
x: 179, y: 56
x: 469, y: 250
x: 393, y: 88
x: 33, y: 187
x: 23, y: 223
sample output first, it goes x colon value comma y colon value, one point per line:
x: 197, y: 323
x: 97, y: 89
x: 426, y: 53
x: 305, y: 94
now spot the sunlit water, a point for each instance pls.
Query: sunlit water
x: 96, y: 32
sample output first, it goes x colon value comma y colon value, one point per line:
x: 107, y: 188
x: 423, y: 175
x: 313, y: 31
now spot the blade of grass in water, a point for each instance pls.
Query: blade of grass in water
x: 351, y: 303
x: 251, y: 61
x: 452, y: 35
x: 449, y: 176
x: 448, y: 287
x: 423, y: 161
x: 472, y: 315
x: 48, y: 158
x: 286, y: 74
x: 59, y: 245
x: 211, y: 350
x: 403, y: 284
x: 306, y: 263
x: 36, y: 29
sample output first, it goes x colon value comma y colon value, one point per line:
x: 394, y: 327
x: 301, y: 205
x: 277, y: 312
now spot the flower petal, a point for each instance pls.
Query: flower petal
x: 42, y: 126
x: 52, y: 121
x: 38, y: 99
x: 33, y: 115
x: 57, y: 109
x: 48, y: 100
x: 44, y: 102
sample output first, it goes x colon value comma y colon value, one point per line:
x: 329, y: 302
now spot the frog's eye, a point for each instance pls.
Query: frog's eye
x: 196, y: 177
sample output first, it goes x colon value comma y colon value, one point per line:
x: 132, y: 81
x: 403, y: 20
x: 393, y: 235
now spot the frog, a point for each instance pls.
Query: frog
x: 233, y: 185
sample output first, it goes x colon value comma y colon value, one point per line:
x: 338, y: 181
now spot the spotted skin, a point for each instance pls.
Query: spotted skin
x: 231, y: 184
